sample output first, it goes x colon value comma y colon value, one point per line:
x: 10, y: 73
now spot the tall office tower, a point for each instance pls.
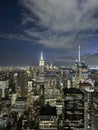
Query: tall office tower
x: 73, y: 109
x: 79, y: 55
x: 81, y: 69
x: 78, y: 60
x: 41, y: 67
x: 89, y: 108
x: 88, y: 90
x: 22, y: 83
x: 95, y: 110
x: 78, y: 64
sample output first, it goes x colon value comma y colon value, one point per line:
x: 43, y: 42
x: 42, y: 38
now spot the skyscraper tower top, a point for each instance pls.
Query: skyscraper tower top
x: 41, y: 62
x: 78, y: 60
x: 79, y: 55
x: 41, y: 58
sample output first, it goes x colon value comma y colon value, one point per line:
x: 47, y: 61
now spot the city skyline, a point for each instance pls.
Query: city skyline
x: 55, y: 27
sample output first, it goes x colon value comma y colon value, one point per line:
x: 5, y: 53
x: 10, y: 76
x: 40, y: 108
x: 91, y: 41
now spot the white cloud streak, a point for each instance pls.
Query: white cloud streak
x: 12, y: 36
x: 91, y: 59
x: 64, y: 19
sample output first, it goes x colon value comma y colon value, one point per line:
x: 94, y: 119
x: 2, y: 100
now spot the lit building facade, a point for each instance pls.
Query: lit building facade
x: 73, y: 109
x: 88, y: 90
x: 20, y: 105
x: 4, y: 84
x: 95, y: 110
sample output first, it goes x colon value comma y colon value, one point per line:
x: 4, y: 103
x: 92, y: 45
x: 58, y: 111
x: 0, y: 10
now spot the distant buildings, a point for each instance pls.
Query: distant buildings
x: 48, y: 97
x: 93, y: 73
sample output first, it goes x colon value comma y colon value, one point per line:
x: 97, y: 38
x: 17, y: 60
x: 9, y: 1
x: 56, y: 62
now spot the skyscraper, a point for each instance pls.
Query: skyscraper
x: 41, y: 67
x: 73, y: 109
x: 79, y: 55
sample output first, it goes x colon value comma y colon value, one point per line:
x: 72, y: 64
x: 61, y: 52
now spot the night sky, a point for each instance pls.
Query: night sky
x: 55, y: 27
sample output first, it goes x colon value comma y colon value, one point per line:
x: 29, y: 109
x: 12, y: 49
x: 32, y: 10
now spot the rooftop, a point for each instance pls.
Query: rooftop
x: 72, y: 91
x: 48, y: 110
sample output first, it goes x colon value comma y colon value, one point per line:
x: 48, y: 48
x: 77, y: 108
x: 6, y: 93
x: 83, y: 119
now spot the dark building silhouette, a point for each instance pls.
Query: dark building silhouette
x: 48, y: 118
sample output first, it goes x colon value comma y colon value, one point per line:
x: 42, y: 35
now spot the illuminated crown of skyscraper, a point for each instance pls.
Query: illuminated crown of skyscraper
x: 41, y: 62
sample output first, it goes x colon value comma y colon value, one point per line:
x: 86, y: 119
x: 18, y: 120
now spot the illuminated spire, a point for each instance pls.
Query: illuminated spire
x: 51, y: 65
x: 79, y: 54
x: 41, y: 58
x: 41, y: 62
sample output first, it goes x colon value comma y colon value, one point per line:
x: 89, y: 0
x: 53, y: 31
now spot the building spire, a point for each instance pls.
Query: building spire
x: 41, y: 58
x: 51, y: 65
x: 79, y: 55
x: 41, y: 62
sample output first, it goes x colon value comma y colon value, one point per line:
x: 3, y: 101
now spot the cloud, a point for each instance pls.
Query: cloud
x: 12, y: 36
x: 91, y: 59
x: 60, y: 23
x: 67, y: 60
x: 60, y: 59
x: 51, y: 39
